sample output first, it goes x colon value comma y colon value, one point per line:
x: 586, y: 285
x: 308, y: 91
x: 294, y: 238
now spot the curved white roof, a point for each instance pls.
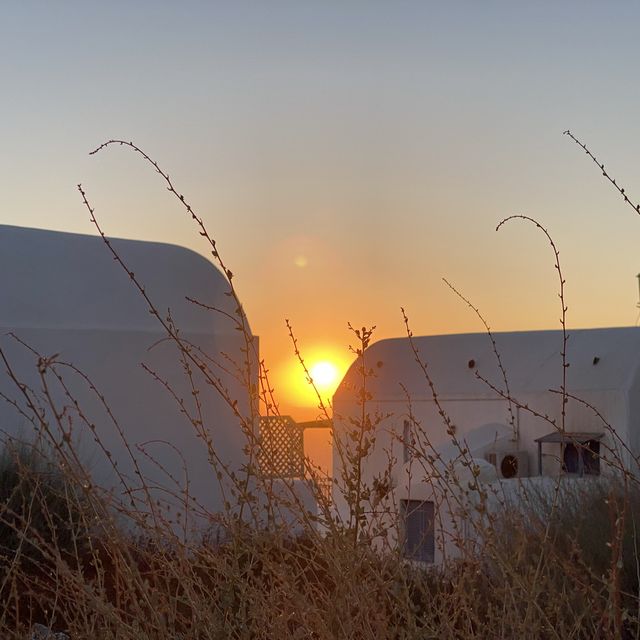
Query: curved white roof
x: 55, y: 280
x: 599, y: 359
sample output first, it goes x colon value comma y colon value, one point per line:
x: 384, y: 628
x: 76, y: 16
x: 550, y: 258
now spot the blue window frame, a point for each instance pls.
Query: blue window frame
x: 418, y: 530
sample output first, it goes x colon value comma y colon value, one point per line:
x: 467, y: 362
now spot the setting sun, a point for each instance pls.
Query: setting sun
x: 326, y: 366
x: 324, y: 375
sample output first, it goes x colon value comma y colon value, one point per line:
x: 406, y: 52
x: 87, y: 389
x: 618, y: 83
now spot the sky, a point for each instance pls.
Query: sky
x: 346, y: 155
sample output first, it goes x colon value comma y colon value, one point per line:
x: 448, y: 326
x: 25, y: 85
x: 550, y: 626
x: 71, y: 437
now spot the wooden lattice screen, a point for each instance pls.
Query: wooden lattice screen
x: 281, y: 453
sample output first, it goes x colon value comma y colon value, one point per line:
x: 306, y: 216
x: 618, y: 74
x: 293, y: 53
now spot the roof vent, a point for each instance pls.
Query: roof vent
x: 596, y: 359
x: 471, y: 364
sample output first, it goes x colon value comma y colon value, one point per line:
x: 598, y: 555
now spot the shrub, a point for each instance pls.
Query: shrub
x: 41, y: 507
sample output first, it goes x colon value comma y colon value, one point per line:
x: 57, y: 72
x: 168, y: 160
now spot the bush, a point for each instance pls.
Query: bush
x: 41, y: 507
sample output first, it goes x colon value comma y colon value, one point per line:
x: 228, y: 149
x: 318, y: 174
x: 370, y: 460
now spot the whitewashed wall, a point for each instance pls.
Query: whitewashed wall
x: 603, y: 372
x: 64, y: 294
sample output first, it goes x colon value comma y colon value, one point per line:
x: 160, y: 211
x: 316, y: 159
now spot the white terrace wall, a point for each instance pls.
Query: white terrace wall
x: 64, y: 294
x: 603, y: 372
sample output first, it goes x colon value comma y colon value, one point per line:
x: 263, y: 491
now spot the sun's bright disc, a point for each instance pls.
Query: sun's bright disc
x: 324, y: 374
x: 324, y: 364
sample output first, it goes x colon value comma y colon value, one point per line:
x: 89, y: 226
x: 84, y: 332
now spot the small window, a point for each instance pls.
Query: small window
x: 418, y: 530
x: 570, y: 458
x: 591, y: 457
x: 583, y: 458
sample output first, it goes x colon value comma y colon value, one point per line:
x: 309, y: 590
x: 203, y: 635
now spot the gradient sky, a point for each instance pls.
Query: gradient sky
x: 346, y: 155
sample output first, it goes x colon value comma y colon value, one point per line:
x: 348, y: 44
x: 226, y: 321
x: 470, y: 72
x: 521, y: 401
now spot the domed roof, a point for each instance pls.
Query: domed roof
x: 599, y: 359
x: 56, y: 280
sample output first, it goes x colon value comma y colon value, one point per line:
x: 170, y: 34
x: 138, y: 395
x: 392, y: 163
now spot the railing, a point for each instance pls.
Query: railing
x: 281, y: 451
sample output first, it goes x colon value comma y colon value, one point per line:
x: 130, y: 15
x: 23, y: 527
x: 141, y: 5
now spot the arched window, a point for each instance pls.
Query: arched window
x: 591, y: 457
x: 582, y: 458
x: 570, y: 458
x: 579, y: 451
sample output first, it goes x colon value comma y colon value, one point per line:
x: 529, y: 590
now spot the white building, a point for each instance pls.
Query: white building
x: 64, y: 294
x: 494, y: 437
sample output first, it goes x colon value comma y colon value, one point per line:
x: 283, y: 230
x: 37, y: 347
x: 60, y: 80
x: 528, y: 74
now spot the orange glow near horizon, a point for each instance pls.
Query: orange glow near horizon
x: 326, y: 367
x: 296, y: 396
